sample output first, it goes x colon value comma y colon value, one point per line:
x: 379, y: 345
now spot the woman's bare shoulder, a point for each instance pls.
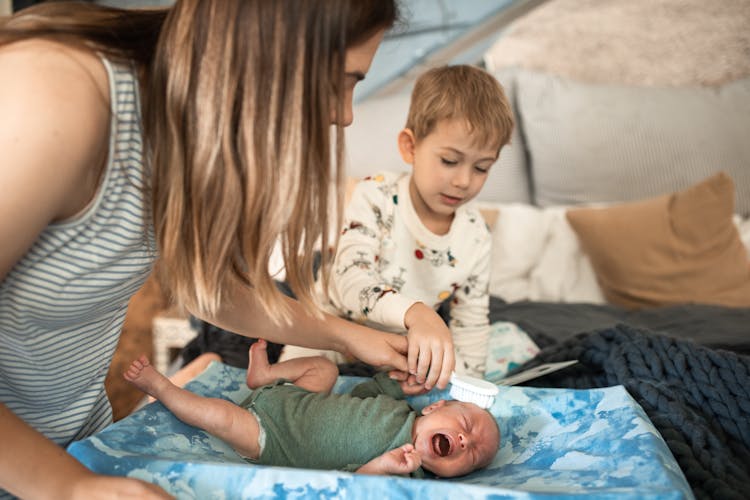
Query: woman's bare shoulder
x: 46, y: 64
x: 54, y: 129
x: 54, y: 96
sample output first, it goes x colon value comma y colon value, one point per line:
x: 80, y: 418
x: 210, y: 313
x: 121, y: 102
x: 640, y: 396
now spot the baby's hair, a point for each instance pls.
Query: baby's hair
x: 499, y: 436
x: 461, y: 92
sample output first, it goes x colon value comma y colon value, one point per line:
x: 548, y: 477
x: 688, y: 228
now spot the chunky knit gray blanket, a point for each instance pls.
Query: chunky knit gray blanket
x: 698, y: 398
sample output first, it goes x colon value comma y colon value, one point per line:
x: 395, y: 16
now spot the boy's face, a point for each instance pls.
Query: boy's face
x: 455, y: 438
x: 449, y: 169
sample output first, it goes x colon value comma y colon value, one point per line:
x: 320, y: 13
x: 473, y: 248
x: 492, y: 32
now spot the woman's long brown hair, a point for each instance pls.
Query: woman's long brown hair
x: 237, y: 98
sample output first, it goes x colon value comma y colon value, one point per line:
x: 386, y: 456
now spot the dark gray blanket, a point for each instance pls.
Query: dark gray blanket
x: 549, y: 322
x: 698, y: 398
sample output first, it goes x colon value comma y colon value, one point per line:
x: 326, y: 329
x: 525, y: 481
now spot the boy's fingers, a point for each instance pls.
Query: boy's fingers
x: 435, y: 370
x: 423, y: 365
x: 412, y: 357
x: 447, y: 369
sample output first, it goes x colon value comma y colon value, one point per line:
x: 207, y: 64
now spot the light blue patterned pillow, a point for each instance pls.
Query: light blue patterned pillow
x: 508, y: 348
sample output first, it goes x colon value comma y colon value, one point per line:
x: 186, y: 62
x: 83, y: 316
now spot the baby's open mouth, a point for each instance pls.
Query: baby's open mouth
x: 441, y: 445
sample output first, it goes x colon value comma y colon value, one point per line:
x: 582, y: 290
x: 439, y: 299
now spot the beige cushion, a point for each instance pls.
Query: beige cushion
x: 672, y: 249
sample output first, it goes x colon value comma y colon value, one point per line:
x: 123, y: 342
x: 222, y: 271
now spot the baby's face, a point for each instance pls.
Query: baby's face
x: 455, y: 438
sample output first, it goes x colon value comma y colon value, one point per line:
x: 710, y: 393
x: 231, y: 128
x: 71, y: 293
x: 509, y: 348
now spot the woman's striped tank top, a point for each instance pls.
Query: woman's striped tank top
x: 63, y: 304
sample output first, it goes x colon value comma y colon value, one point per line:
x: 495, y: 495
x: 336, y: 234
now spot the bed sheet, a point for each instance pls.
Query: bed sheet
x: 556, y: 443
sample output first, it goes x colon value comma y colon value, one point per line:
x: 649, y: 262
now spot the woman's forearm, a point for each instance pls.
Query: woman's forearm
x: 247, y: 317
x: 32, y: 466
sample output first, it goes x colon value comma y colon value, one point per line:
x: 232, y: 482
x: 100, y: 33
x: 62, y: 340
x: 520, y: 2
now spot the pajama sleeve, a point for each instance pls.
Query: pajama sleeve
x: 357, y: 289
x: 469, y: 317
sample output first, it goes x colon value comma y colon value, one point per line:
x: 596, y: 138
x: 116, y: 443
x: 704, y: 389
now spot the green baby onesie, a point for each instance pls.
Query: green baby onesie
x: 331, y: 431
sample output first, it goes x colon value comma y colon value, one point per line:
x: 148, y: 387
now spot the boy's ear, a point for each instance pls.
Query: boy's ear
x: 406, y: 145
x: 434, y: 406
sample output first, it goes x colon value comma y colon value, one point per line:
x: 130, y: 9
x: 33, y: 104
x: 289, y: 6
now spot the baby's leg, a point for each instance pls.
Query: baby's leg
x: 221, y: 418
x: 194, y: 368
x: 316, y: 373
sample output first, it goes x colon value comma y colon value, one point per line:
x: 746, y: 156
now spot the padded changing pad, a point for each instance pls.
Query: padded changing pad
x: 556, y: 443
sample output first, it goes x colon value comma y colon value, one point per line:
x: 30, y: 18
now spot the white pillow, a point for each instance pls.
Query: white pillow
x: 537, y: 256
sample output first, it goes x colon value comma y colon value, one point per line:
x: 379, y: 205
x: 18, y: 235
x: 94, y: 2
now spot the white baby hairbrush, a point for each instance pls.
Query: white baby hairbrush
x: 473, y: 390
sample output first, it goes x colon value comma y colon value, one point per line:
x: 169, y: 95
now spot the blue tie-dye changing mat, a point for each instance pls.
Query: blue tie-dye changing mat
x: 556, y: 443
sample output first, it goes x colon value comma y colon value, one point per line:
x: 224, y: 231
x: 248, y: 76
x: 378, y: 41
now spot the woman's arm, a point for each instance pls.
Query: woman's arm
x: 53, y: 139
x: 246, y: 316
x: 53, y: 136
x: 32, y: 466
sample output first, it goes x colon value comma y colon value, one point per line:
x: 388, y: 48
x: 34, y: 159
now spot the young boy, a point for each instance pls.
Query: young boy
x: 410, y: 242
x: 371, y: 431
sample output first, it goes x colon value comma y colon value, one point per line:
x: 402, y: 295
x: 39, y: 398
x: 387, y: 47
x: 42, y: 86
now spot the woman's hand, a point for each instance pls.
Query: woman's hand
x: 384, y: 350
x: 430, y: 354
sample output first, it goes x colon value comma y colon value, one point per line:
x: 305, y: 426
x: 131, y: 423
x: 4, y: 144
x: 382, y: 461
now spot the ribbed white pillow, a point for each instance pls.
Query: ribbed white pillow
x: 606, y: 143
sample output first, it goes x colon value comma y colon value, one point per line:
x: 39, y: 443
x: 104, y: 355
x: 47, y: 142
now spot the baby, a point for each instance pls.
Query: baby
x: 291, y: 419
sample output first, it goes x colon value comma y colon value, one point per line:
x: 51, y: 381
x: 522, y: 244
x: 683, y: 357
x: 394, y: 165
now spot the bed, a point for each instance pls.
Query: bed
x: 658, y: 405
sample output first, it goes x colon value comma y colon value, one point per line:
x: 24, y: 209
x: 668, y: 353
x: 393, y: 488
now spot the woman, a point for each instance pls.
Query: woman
x: 199, y: 133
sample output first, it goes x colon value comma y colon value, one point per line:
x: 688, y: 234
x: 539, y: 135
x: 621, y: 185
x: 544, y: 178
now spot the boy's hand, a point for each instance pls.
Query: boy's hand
x: 408, y: 383
x: 402, y: 460
x: 430, y: 354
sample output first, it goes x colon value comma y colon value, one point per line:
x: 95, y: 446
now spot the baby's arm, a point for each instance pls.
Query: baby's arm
x: 402, y: 460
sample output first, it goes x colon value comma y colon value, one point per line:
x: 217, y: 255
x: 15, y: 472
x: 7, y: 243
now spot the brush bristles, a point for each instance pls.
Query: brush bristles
x: 468, y: 396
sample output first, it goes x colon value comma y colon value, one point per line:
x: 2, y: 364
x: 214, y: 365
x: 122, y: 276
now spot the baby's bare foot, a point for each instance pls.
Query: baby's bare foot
x: 141, y: 374
x: 258, y: 367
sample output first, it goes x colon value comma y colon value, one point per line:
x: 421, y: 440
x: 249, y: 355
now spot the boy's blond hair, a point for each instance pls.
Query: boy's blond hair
x: 461, y: 92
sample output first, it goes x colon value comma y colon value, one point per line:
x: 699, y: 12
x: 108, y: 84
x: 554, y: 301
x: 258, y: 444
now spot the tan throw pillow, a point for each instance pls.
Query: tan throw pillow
x: 672, y: 249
